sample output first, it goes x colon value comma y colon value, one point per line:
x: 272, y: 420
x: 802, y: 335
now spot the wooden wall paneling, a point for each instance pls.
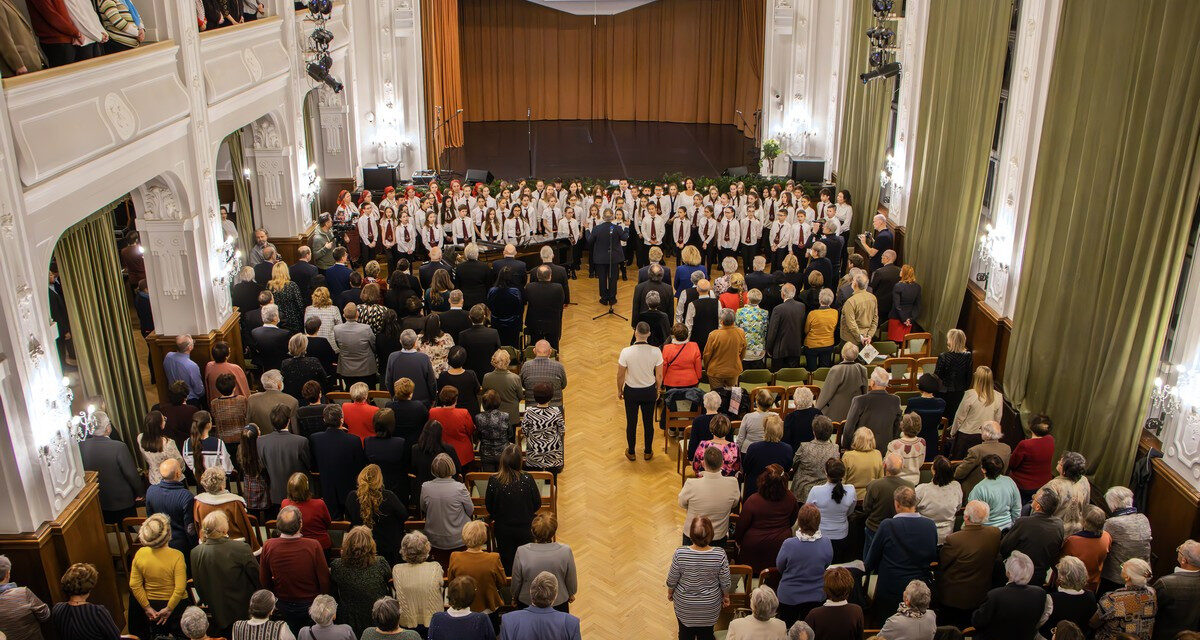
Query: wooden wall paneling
x: 287, y: 245
x: 160, y: 345
x: 1173, y: 507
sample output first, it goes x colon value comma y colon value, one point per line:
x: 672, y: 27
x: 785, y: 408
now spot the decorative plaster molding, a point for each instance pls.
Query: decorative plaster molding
x: 270, y: 178
x: 169, y: 252
x: 252, y: 64
x: 161, y: 203
x: 266, y: 135
x: 120, y: 115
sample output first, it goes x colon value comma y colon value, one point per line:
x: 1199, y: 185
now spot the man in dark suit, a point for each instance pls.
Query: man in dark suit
x: 604, y: 243
x: 757, y: 278
x: 965, y: 566
x: 353, y: 294
x: 900, y: 552
x: 1178, y: 594
x: 702, y: 314
x: 245, y: 293
x: 270, y: 340
x: 1012, y: 612
x: 785, y: 329
x: 883, y: 281
x: 835, y: 248
x: 877, y: 497
x: 120, y: 484
x: 655, y: 256
x: 425, y: 273
x: 884, y: 240
x: 544, y: 309
x: 1038, y: 535
x: 517, y: 268
x: 337, y: 277
x: 474, y: 277
x: 414, y: 365
x: 303, y: 271
x: 283, y: 453
x: 480, y: 341
x: 454, y: 320
x: 262, y: 270
x: 877, y: 410
x: 654, y: 282
x: 252, y: 319
x: 339, y: 457
x: 558, y: 273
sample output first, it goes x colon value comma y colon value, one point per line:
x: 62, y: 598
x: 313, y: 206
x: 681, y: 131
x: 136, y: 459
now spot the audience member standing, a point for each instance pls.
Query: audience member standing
x: 293, y: 568
x: 225, y: 573
x: 698, y: 582
x: 900, y: 551
x: 860, y: 314
x: 120, y: 485
x: 1131, y: 537
x: 877, y: 410
x: 339, y: 457
x: 1178, y: 594
x: 981, y: 403
x: 953, y: 368
x: 172, y: 498
x: 20, y: 610
x: 845, y: 381
x: 639, y: 375
x: 544, y: 368
x: 1038, y: 535
x: 965, y: 563
x: 724, y: 352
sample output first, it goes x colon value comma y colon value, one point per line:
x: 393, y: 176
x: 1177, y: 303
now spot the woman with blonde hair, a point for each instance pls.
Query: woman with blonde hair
x: 287, y: 297
x: 689, y: 263
x: 322, y: 308
x: 906, y: 304
x: 216, y: 497
x: 378, y: 509
x: 483, y: 566
x: 157, y: 581
x: 953, y: 368
x: 418, y: 582
x: 361, y: 577
x: 790, y: 274
x: 980, y: 404
x: 863, y: 461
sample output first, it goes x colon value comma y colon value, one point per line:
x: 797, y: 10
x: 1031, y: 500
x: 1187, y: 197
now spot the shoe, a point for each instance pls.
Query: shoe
x: 629, y: 456
x: 648, y: 455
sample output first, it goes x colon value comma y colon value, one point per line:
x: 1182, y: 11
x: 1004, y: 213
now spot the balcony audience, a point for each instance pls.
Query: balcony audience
x: 157, y: 581
x: 360, y: 576
x: 418, y: 582
x: 224, y: 573
x: 21, y: 612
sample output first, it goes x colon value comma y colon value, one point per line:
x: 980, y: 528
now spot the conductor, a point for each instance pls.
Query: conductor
x: 608, y: 253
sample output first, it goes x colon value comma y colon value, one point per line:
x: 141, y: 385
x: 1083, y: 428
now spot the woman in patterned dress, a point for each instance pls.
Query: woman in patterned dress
x: 544, y: 428
x: 720, y: 427
x: 287, y: 298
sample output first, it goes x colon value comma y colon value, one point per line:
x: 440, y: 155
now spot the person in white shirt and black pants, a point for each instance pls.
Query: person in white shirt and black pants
x: 639, y: 376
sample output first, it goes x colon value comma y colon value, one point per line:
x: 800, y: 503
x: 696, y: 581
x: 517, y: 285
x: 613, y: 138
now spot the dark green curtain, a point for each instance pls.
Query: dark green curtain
x: 241, y: 193
x: 864, y: 124
x: 101, y: 328
x: 960, y: 92
x: 1114, y: 194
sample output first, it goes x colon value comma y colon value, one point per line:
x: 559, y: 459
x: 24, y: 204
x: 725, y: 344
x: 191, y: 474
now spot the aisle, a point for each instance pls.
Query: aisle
x: 621, y: 518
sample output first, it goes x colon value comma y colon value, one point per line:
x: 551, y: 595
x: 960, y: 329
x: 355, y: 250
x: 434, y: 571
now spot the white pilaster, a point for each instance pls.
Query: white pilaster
x: 1181, y: 370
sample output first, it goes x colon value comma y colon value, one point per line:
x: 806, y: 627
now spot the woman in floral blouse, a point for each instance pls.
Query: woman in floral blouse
x: 436, y: 344
x: 753, y: 320
x: 1130, y: 610
x: 720, y: 427
x: 371, y: 309
x: 491, y: 428
x: 544, y: 428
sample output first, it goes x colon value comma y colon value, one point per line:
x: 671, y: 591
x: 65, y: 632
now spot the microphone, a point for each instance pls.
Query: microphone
x: 528, y: 111
x: 458, y: 112
x: 738, y: 111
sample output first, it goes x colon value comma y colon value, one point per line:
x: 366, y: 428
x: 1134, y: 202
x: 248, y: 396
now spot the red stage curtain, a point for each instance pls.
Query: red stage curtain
x: 443, y: 72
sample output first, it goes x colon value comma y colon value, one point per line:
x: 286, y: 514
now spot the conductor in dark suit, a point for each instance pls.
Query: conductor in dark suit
x: 785, y: 329
x: 544, y: 311
x: 120, y: 484
x: 480, y: 341
x: 339, y: 457
x: 883, y: 282
x: 608, y: 255
x: 654, y: 282
x: 517, y: 269
x: 429, y: 268
x: 270, y: 340
x: 474, y: 278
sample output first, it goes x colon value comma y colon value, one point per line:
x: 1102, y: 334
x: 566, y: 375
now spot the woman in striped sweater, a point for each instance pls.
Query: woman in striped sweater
x: 698, y: 582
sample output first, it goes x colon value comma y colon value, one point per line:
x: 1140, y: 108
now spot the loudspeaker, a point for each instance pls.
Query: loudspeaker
x: 736, y: 172
x: 479, y: 175
x: 423, y: 177
x: 808, y: 171
x: 379, y: 177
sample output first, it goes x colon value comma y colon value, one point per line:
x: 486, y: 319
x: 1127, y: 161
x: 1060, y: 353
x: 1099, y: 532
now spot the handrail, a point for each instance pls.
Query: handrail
x: 85, y: 65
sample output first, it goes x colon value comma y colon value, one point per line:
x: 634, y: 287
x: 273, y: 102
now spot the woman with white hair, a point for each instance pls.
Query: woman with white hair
x: 845, y: 380
x: 323, y: 610
x: 216, y: 497
x: 762, y: 622
x: 729, y: 266
x: 1130, y: 533
x: 194, y: 624
x: 418, y: 582
x: 980, y: 404
x: 700, y: 424
x: 1015, y: 610
x: 914, y: 620
x: 797, y: 425
x: 1072, y: 601
x: 1128, y: 611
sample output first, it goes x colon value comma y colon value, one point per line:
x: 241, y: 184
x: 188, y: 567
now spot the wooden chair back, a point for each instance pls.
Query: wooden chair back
x: 838, y: 428
x: 926, y: 365
x: 903, y: 371
x: 677, y: 420
x: 917, y: 345
x: 741, y: 577
x: 548, y: 486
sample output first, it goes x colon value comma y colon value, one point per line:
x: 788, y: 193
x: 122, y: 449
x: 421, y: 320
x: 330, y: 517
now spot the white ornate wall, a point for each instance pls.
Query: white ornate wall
x: 1181, y: 432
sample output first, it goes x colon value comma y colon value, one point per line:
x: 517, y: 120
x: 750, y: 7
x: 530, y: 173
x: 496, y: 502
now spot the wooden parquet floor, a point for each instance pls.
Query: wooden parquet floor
x: 621, y: 518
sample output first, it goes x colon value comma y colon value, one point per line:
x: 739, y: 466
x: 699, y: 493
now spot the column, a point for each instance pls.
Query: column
x: 274, y: 181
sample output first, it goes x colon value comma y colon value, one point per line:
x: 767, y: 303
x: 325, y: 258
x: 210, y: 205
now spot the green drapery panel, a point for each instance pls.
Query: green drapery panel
x: 101, y: 325
x: 1114, y: 194
x: 960, y: 91
x: 864, y: 124
x: 241, y: 193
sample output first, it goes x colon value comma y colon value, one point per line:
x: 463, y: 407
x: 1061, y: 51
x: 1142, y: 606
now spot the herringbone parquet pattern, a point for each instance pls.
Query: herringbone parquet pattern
x: 621, y: 518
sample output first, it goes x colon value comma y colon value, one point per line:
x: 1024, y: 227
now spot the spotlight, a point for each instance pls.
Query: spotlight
x: 322, y: 37
x: 321, y: 74
x: 885, y: 71
x: 320, y: 7
x: 876, y: 58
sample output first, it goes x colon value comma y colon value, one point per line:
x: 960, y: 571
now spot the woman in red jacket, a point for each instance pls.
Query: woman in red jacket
x: 1032, y: 463
x: 457, y: 425
x: 681, y: 360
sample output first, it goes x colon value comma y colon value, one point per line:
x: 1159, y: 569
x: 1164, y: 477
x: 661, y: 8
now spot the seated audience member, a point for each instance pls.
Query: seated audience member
x: 491, y: 429
x: 878, y: 497
x: 981, y: 403
x: 712, y: 495
x: 970, y: 471
x: 845, y: 381
x: 1090, y: 544
x: 698, y: 582
x: 914, y: 620
x: 965, y: 564
x: 931, y: 409
x: 877, y: 410
x: 940, y: 498
x: 761, y: 623
x: 224, y: 573
x: 836, y: 501
x: 1130, y: 533
x: 458, y: 428
x: 447, y: 507
x: 836, y: 619
x: 768, y: 451
x: 76, y: 618
x: 20, y: 610
x: 808, y: 466
x: 315, y: 519
x: 300, y: 367
x: 389, y: 452
x: 512, y: 500
x: 194, y: 624
x: 339, y: 457
x: 1178, y: 594
x: 766, y: 520
x: 545, y: 430
x: 797, y: 424
x: 720, y: 428
x: 216, y: 497
x: 1032, y: 462
x: 1038, y: 535
x: 864, y: 464
x: 1073, y: 490
x: 380, y: 510
x: 1016, y: 610
x: 544, y: 555
x: 358, y: 414
x: 361, y: 577
x: 418, y: 582
x: 910, y: 447
x: 120, y: 484
x: 701, y: 431
x: 294, y: 569
x: 172, y: 498
x: 506, y: 384
x: 724, y: 351
x: 1131, y: 610
x: 900, y: 551
x: 323, y: 611
x: 999, y: 492
x: 483, y: 567
x: 540, y: 621
x: 157, y: 581
x: 459, y: 622
x: 802, y: 561
x: 1071, y: 599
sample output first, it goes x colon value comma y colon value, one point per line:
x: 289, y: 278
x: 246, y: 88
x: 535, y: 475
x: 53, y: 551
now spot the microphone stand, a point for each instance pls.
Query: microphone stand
x: 613, y: 265
x: 529, y: 137
x: 438, y: 169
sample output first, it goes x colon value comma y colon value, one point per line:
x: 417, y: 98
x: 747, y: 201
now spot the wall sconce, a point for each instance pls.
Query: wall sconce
x: 995, y: 251
x: 56, y: 410
x: 310, y: 185
x: 227, y: 260
x: 246, y: 172
x: 1168, y: 400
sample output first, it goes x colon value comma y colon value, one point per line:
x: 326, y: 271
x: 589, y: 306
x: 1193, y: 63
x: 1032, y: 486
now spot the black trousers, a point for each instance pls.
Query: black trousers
x: 608, y: 282
x: 640, y: 399
x: 819, y: 357
x: 369, y: 380
x: 695, y: 633
x: 66, y: 53
x: 117, y: 515
x: 295, y: 614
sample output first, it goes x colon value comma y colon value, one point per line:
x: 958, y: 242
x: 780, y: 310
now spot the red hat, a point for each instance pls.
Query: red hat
x: 388, y: 189
x: 342, y: 194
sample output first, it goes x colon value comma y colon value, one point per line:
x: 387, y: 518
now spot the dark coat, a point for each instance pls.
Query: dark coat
x: 454, y: 321
x: 302, y: 273
x: 759, y: 280
x: 605, y: 243
x: 1010, y: 612
x: 883, y: 282
x: 900, y: 552
x: 906, y: 301
x: 835, y: 250
x: 262, y: 272
x: 339, y: 458
x: 480, y: 342
x: 558, y: 275
x: 283, y: 453
x: 518, y: 272
x: 1038, y: 536
x: 415, y: 366
x: 965, y: 565
x: 665, y: 295
x: 785, y: 330
x: 822, y: 265
x: 474, y: 280
x: 320, y: 349
x: 1178, y: 595
x: 427, y: 270
x: 225, y: 574
x: 877, y: 410
x: 120, y: 484
x: 337, y: 278
x: 271, y: 346
x: 544, y: 311
x: 245, y: 296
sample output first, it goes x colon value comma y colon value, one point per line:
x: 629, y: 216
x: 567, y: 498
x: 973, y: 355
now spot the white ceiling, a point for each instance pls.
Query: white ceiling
x: 592, y: 7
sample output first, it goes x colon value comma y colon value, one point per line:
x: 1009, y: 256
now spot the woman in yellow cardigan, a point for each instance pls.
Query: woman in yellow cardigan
x: 157, y: 582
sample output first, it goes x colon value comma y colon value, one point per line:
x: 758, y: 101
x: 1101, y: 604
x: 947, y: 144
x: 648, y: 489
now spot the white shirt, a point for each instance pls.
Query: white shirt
x: 639, y: 360
x: 464, y: 230
x: 728, y: 233
x: 706, y: 228
x: 681, y: 230
x: 368, y: 228
x: 653, y: 228
x: 431, y: 236
x: 780, y: 235
x: 751, y: 231
x: 406, y: 237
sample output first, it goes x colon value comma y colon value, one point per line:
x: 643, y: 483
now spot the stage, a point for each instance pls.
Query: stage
x: 598, y: 148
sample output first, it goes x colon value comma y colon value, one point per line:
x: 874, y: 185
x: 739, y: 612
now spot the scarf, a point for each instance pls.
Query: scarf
x: 909, y: 612
x: 804, y: 537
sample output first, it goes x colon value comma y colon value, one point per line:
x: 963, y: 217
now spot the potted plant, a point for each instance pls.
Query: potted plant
x: 770, y: 151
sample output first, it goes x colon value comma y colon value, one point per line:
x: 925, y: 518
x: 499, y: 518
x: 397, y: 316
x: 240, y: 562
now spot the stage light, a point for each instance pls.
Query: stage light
x: 885, y: 71
x: 322, y: 37
x: 320, y: 74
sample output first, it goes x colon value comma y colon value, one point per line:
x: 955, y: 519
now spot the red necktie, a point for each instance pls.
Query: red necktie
x: 778, y: 229
x: 748, y: 225
x: 407, y: 238
x: 653, y: 230
x: 678, y: 230
x: 391, y: 230
x: 554, y: 221
x: 370, y: 229
x: 727, y: 230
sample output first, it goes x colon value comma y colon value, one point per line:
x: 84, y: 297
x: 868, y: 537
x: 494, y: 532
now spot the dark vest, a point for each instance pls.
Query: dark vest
x: 704, y: 319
